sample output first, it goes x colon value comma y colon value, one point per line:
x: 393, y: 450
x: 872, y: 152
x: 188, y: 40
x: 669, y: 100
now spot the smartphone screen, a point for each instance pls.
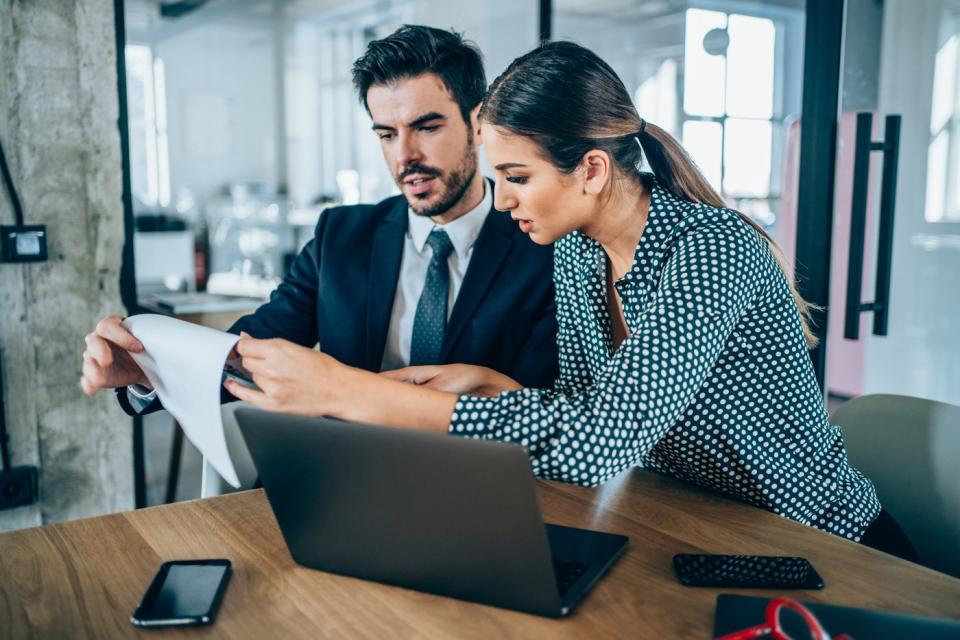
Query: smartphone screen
x: 769, y: 572
x: 184, y: 592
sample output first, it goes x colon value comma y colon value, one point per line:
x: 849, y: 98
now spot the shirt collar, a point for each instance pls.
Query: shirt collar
x: 463, y: 231
x: 664, y: 213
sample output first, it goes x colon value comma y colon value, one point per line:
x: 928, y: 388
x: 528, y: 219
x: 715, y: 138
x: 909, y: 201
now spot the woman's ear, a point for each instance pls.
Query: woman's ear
x: 596, y: 169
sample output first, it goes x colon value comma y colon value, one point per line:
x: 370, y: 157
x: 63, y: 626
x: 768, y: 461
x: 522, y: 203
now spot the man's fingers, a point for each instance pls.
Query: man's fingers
x: 252, y: 348
x: 93, y: 374
x: 416, y: 375
x: 99, y: 350
x: 254, y: 365
x: 440, y: 383
x: 110, y: 328
x: 241, y: 392
x: 402, y: 375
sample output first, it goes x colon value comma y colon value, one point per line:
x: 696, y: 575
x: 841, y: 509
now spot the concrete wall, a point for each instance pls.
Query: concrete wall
x: 58, y: 122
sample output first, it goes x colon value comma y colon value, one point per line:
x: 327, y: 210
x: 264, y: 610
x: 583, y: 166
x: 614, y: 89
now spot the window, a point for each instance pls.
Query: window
x: 147, y: 121
x: 656, y: 97
x: 332, y: 152
x: 730, y: 116
x: 943, y: 153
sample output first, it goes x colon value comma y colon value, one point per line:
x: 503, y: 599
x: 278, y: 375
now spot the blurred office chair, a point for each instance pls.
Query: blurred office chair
x: 211, y: 484
x: 910, y: 448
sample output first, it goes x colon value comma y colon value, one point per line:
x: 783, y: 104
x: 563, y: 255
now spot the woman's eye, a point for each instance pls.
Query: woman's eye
x: 517, y: 179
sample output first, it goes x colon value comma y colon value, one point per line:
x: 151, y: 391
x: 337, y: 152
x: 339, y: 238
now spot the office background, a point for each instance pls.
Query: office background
x: 239, y: 124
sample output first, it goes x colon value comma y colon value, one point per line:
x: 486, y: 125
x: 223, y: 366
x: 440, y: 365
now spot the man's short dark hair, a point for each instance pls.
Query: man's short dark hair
x: 413, y: 50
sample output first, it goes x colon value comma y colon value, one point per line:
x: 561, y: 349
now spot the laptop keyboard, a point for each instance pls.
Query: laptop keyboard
x: 567, y: 572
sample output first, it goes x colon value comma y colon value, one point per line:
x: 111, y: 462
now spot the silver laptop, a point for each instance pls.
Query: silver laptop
x: 432, y: 512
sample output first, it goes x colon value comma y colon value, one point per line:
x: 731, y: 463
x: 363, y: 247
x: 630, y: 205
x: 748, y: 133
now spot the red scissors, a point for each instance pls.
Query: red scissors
x: 772, y: 627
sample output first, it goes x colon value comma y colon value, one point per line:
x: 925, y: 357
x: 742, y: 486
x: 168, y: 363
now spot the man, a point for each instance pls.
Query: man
x: 434, y: 276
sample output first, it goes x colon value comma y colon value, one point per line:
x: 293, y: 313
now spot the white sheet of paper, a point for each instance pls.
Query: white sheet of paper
x: 184, y: 363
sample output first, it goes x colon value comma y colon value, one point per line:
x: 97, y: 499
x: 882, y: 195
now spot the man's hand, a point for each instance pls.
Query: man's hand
x: 456, y: 378
x: 292, y: 379
x: 106, y: 361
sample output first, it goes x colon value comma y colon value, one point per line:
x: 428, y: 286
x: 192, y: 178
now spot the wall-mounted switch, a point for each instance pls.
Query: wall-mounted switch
x: 18, y: 487
x: 24, y: 243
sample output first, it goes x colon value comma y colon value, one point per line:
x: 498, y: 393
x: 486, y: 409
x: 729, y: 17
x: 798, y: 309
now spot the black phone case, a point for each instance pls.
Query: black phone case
x: 139, y: 616
x: 746, y: 572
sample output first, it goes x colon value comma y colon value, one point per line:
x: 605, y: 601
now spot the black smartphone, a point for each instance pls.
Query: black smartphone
x: 762, y: 572
x: 233, y: 370
x: 183, y: 593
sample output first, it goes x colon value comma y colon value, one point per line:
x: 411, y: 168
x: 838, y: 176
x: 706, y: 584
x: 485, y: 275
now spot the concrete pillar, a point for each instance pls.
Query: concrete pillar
x: 58, y: 122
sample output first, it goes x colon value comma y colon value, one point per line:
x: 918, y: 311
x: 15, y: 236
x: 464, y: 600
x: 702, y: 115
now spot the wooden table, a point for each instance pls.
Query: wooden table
x: 83, y: 578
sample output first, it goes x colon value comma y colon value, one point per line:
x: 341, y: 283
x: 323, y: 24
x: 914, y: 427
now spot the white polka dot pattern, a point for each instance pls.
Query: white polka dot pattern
x: 714, y: 386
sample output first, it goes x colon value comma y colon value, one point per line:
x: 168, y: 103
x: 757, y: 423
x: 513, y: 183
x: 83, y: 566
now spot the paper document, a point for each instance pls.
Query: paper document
x: 184, y: 363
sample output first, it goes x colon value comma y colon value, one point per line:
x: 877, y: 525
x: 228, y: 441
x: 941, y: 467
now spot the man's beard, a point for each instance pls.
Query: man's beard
x: 454, y: 184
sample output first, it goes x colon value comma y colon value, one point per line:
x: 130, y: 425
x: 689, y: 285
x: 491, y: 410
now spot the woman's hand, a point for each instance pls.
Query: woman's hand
x: 292, y: 379
x: 457, y: 378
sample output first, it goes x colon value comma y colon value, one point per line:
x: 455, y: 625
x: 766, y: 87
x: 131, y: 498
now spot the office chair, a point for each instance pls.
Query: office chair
x: 910, y: 449
x: 211, y: 484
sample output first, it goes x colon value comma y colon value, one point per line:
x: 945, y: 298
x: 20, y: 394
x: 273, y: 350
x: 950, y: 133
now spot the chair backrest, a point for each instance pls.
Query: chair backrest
x: 910, y: 449
x: 211, y: 484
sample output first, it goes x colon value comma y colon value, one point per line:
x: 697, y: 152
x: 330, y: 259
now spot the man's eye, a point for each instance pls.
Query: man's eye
x: 517, y: 179
x: 430, y: 128
x: 386, y: 136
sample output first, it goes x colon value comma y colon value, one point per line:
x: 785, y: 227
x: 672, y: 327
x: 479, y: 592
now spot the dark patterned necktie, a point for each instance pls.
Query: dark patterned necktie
x: 430, y: 321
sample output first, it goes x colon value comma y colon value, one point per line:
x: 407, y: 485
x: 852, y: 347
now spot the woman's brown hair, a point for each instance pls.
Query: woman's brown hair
x: 569, y: 101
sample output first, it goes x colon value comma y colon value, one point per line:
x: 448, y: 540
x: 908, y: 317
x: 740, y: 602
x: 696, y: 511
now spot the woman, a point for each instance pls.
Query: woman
x: 683, y: 346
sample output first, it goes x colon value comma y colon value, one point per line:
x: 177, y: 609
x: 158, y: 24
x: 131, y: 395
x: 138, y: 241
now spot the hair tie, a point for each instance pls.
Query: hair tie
x: 639, y: 133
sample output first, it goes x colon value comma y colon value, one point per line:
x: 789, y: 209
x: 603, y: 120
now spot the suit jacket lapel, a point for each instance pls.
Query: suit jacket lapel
x: 493, y: 245
x: 386, y: 254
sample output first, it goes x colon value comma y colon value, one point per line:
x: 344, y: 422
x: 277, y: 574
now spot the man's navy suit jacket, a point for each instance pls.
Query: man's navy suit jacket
x: 340, y: 292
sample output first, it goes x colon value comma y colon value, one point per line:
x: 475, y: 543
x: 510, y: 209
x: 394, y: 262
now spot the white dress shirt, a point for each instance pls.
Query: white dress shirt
x: 463, y: 234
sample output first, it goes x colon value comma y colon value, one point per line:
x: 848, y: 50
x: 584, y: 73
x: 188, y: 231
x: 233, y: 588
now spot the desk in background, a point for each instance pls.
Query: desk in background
x: 208, y: 309
x: 83, y: 578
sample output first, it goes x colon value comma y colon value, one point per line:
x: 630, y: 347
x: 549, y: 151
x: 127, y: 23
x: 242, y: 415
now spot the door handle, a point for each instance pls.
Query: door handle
x: 890, y: 147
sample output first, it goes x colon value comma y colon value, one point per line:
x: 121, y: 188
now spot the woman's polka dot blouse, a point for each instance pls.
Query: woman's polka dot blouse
x: 714, y: 385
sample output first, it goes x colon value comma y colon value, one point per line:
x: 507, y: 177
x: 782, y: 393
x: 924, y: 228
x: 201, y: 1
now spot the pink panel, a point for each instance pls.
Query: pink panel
x: 845, y: 358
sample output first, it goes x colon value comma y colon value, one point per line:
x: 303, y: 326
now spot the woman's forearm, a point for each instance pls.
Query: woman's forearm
x: 362, y: 396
